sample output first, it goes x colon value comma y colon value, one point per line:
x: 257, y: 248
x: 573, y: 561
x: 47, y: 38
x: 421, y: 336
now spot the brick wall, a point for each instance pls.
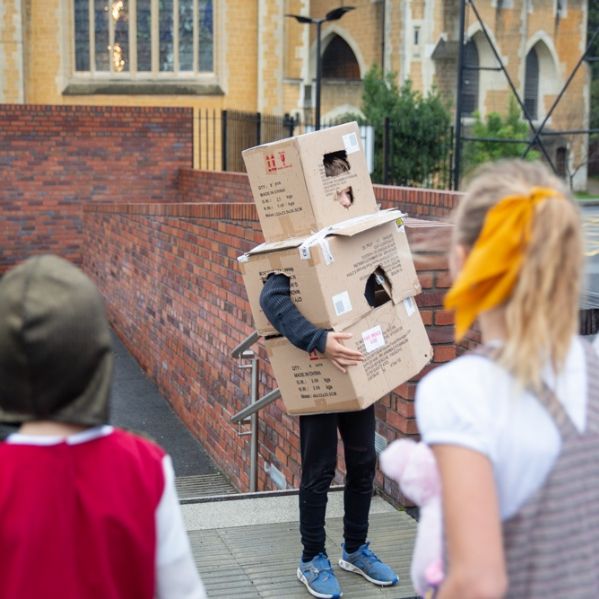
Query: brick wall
x: 418, y: 203
x: 199, y: 186
x: 56, y: 159
x: 169, y: 274
x: 212, y: 186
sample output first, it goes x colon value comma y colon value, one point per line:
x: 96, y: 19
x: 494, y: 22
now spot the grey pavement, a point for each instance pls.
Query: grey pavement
x: 590, y: 215
x: 136, y: 404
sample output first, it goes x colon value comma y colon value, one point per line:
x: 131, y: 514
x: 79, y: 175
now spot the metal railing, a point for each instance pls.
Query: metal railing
x: 249, y: 414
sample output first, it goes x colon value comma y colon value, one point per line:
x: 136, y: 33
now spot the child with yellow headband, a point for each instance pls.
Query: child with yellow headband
x: 514, y: 426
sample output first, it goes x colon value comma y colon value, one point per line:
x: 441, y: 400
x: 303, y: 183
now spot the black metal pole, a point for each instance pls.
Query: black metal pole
x: 457, y: 154
x: 258, y: 128
x: 318, y: 75
x: 223, y: 149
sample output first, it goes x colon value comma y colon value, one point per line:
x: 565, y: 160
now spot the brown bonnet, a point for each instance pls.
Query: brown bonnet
x: 55, y: 348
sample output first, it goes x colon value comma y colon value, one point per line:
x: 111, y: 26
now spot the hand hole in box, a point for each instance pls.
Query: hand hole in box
x: 378, y: 288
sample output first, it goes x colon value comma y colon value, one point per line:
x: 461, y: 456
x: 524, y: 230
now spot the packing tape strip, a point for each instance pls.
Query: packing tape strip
x: 314, y: 239
x: 356, y: 220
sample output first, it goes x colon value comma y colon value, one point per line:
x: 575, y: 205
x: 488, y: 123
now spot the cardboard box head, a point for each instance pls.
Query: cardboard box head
x: 339, y: 274
x: 304, y: 183
x: 395, y: 346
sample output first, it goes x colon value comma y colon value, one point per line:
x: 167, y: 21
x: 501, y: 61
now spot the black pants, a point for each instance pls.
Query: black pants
x: 318, y: 437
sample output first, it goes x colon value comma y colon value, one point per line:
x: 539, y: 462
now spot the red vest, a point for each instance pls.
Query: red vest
x: 79, y: 521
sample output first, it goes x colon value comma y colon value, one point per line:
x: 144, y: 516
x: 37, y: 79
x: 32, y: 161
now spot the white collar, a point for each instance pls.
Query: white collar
x: 83, y: 437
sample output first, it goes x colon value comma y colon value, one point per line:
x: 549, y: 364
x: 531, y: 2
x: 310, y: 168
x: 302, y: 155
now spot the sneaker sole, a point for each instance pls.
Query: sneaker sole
x: 312, y: 592
x: 349, y: 567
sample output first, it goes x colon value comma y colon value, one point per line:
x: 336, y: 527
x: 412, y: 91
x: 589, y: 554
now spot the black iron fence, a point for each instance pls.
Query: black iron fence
x: 401, y: 161
x: 221, y: 136
x: 242, y: 130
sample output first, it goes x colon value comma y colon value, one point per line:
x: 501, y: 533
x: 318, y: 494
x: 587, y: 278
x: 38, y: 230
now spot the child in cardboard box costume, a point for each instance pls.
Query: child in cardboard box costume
x: 318, y: 439
x: 88, y: 509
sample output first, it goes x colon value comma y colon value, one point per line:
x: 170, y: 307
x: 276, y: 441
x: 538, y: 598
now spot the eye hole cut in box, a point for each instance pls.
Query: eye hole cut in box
x: 378, y: 288
x: 336, y: 163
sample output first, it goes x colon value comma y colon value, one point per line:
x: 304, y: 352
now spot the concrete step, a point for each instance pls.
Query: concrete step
x: 202, y: 486
x: 249, y: 547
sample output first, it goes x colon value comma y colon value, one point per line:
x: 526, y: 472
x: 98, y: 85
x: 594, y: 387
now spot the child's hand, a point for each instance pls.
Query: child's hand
x: 340, y: 355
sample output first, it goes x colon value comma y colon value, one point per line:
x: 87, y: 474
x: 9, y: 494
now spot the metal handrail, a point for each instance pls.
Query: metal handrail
x: 245, y: 344
x: 250, y: 413
x: 255, y: 407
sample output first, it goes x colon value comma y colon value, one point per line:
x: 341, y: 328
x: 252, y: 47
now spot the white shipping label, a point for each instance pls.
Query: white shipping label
x: 342, y: 303
x: 350, y: 141
x: 409, y: 305
x: 373, y: 338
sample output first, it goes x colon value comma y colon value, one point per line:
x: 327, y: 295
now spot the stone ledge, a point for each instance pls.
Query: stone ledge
x: 141, y: 88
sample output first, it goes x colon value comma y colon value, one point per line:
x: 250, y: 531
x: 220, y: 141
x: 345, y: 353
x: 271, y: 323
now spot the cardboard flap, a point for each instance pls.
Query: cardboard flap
x: 272, y: 246
x: 353, y: 226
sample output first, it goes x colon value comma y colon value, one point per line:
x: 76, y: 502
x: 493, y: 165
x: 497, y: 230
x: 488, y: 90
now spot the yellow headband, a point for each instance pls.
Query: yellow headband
x: 493, y: 264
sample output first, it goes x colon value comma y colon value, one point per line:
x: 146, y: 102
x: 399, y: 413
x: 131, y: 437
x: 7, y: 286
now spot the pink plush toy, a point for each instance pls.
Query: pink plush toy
x: 413, y: 466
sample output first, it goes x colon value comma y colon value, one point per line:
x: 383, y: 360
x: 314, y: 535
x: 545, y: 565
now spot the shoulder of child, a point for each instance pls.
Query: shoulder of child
x: 453, y: 402
x: 139, y: 442
x: 464, y: 372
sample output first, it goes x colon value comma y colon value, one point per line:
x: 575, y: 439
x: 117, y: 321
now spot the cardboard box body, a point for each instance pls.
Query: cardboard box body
x: 297, y: 186
x: 329, y: 271
x: 396, y: 347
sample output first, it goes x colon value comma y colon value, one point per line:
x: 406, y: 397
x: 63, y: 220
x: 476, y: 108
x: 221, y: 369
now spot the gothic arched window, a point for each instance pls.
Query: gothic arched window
x: 339, y: 61
x: 531, y: 84
x: 470, y: 79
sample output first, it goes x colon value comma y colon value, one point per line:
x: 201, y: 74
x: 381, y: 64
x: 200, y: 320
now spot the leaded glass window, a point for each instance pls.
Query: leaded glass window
x: 471, y: 79
x: 186, y: 35
x: 531, y: 84
x: 206, y: 42
x: 143, y: 36
x: 81, y: 35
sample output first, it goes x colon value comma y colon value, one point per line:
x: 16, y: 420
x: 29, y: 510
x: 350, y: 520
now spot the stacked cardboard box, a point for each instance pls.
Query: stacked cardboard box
x: 322, y: 228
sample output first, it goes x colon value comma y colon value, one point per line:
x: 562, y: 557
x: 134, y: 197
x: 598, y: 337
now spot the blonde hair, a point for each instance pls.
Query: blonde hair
x: 542, y: 311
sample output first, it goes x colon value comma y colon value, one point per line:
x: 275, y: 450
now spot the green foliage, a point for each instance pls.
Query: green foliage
x: 419, y: 126
x: 495, y: 126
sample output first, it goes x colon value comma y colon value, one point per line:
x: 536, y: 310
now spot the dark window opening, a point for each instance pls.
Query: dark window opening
x: 531, y: 84
x: 378, y: 288
x: 339, y: 61
x: 335, y: 163
x: 561, y: 161
x: 471, y: 79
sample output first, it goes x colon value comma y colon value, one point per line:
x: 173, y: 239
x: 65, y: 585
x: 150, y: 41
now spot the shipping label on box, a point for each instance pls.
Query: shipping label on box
x: 395, y: 346
x: 339, y: 274
x: 308, y: 182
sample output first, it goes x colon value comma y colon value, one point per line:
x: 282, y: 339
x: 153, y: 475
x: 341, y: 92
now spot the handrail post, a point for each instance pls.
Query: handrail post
x: 250, y: 413
x: 254, y: 426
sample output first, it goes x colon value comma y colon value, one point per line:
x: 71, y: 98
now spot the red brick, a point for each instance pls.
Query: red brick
x: 444, y: 353
x: 444, y: 317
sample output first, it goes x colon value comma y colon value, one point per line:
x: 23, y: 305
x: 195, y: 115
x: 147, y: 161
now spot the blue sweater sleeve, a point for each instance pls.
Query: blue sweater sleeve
x: 276, y: 302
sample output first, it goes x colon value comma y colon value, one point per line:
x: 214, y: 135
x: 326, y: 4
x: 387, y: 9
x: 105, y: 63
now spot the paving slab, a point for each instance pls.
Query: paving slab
x: 259, y: 560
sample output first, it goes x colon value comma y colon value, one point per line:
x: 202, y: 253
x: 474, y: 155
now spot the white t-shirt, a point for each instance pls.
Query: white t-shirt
x: 476, y: 404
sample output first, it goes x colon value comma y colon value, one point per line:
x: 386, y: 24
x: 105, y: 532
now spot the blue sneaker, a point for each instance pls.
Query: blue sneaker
x: 363, y: 561
x: 318, y: 577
